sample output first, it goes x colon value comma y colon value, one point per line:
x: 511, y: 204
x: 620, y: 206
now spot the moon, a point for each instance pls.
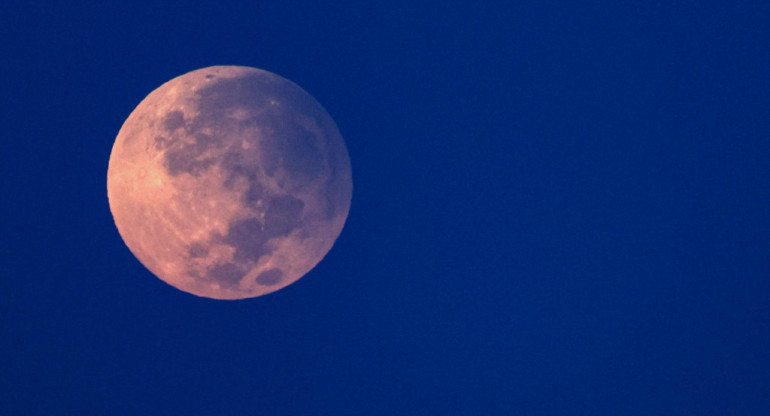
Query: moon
x: 229, y: 182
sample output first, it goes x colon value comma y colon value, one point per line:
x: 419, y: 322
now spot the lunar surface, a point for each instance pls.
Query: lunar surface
x: 229, y: 182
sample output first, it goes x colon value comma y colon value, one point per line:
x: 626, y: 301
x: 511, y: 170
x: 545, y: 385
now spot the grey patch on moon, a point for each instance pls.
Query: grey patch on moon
x: 283, y: 215
x: 185, y: 160
x: 249, y: 240
x: 228, y: 275
x: 270, y: 277
x: 236, y: 164
x: 173, y: 120
x: 203, y: 142
x: 197, y: 250
x: 254, y: 194
x: 292, y: 148
x: 237, y: 167
x: 160, y: 142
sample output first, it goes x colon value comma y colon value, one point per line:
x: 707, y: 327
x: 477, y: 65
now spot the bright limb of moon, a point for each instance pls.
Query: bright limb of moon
x: 229, y: 182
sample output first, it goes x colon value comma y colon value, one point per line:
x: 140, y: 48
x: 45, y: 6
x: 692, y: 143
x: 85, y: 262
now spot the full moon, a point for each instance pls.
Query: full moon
x: 229, y: 182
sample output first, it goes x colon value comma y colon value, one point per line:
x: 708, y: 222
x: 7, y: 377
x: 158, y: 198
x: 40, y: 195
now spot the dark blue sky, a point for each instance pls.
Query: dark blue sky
x: 559, y: 208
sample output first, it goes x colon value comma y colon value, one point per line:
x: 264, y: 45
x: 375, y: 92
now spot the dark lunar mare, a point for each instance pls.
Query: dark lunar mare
x: 228, y: 274
x: 197, y: 250
x: 173, y: 120
x: 270, y: 277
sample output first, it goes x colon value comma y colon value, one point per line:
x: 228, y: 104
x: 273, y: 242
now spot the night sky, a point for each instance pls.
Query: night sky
x: 559, y: 208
